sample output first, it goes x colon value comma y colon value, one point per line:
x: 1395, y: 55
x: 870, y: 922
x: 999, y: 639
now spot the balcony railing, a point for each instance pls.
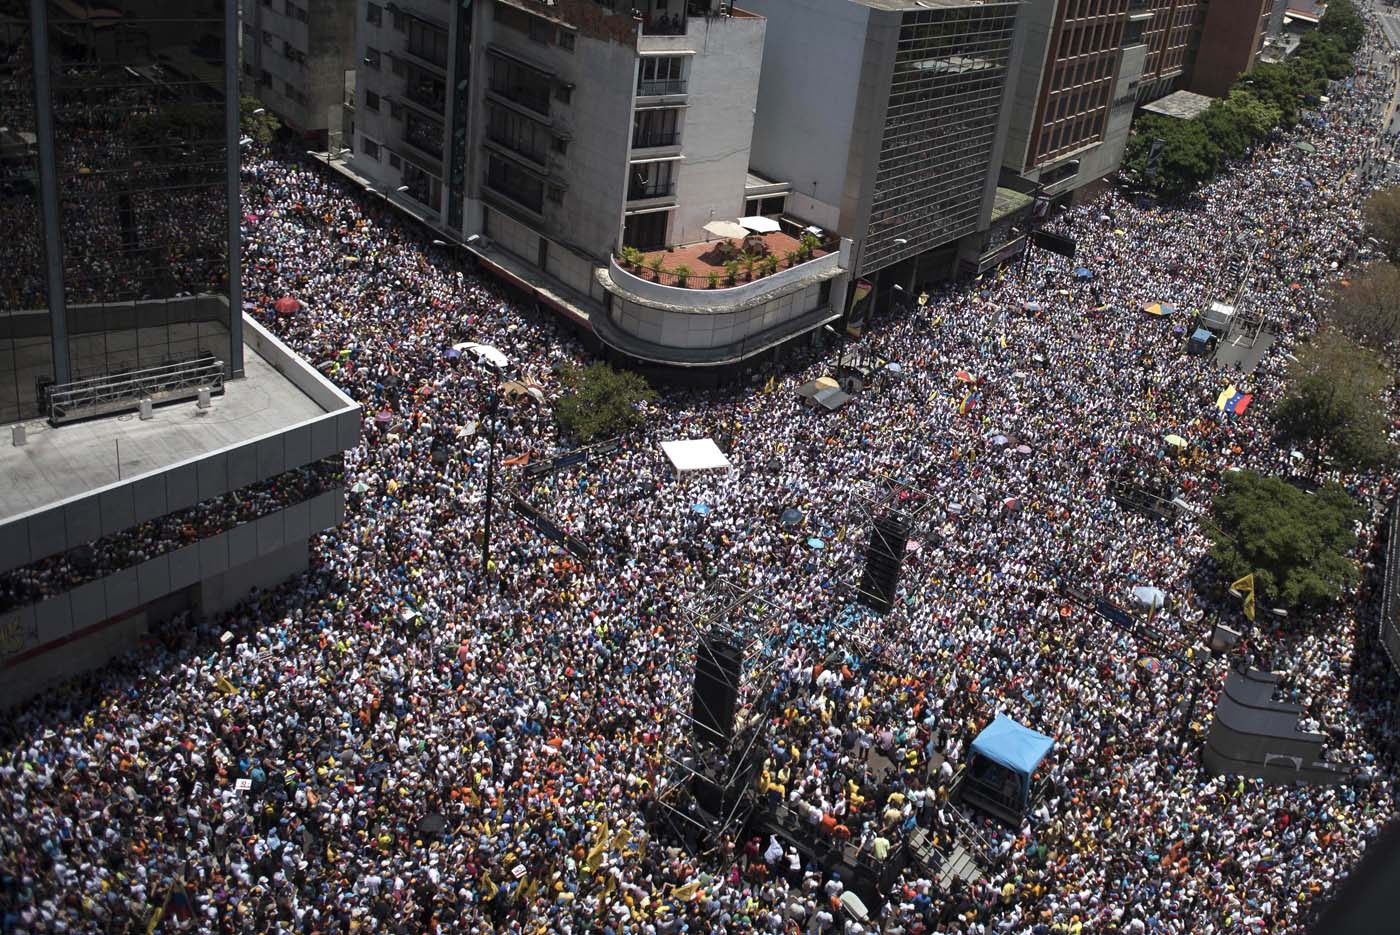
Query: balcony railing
x: 653, y: 88
x: 515, y: 146
x: 534, y: 98
x: 426, y: 94
x: 660, y: 138
x: 636, y: 192
x: 665, y: 25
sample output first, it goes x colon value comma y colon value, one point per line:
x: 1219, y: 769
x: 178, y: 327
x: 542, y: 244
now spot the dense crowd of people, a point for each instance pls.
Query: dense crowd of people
x: 407, y: 740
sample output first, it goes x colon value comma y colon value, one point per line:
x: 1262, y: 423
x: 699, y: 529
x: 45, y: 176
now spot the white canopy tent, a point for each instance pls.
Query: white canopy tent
x: 695, y: 454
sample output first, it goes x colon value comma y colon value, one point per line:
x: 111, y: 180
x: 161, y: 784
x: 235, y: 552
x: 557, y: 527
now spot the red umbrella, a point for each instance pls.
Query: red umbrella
x: 286, y: 305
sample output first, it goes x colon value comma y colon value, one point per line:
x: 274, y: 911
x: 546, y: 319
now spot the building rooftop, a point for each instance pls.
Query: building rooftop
x: 911, y: 5
x: 1183, y: 105
x: 1009, y: 201
x: 57, y: 463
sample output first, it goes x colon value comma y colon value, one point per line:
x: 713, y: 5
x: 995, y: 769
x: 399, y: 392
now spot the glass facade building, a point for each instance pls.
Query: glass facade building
x: 940, y: 128
x: 118, y: 189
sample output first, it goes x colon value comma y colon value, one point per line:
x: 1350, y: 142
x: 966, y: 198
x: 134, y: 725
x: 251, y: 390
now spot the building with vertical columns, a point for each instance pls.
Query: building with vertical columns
x: 887, y: 117
x: 295, y: 55
x: 1170, y: 36
x: 1075, y: 91
x: 1232, y: 39
x: 119, y: 298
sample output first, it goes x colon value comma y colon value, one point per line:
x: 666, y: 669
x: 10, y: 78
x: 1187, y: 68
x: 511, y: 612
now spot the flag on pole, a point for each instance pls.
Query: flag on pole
x: 1245, y: 586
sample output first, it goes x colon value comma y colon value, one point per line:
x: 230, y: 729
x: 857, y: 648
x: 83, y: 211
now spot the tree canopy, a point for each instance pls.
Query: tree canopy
x: 1368, y: 311
x: 1294, y: 543
x: 1331, y: 408
x: 601, y: 402
x: 260, y: 126
x: 1382, y: 213
x: 1270, y: 96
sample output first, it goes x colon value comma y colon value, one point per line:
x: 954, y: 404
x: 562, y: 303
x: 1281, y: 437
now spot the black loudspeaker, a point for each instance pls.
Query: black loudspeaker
x: 883, y: 562
x: 716, y: 690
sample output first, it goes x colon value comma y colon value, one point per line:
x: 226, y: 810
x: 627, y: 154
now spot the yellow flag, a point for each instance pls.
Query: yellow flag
x: 687, y: 892
x: 224, y: 686
x: 1249, y: 605
x: 156, y: 916
x: 1224, y: 397
x: 1244, y: 585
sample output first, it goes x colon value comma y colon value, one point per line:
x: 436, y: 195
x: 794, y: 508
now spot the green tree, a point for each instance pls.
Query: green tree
x: 1294, y: 543
x: 1369, y: 310
x: 260, y: 126
x: 1189, y: 155
x: 1344, y: 22
x: 1331, y: 408
x: 600, y: 402
x: 1257, y: 117
x: 1382, y: 214
x: 1277, y: 85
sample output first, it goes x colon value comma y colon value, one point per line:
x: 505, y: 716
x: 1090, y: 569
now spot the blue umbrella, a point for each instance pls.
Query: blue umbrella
x: 1083, y: 272
x: 701, y: 508
x: 792, y: 516
x: 453, y: 353
x: 816, y: 543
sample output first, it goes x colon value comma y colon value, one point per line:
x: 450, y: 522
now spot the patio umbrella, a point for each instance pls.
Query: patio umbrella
x: 383, y: 417
x: 816, y: 543
x: 1000, y: 440
x: 893, y: 367
x: 760, y: 225
x: 701, y: 508
x: 1176, y: 441
x: 728, y: 230
x: 1023, y: 449
x: 792, y: 516
x: 286, y: 305
x: 453, y: 353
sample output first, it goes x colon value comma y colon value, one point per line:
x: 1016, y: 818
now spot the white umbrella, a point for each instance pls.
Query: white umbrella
x: 726, y: 229
x: 760, y: 225
x: 486, y: 352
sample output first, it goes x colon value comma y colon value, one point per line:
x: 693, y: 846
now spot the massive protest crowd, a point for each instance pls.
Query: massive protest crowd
x: 403, y: 740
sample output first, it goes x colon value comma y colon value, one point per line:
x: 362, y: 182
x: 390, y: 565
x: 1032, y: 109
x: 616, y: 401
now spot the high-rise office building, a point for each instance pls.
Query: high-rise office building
x: 887, y: 116
x: 1232, y: 39
x: 1075, y: 91
x: 119, y: 295
x: 1170, y: 36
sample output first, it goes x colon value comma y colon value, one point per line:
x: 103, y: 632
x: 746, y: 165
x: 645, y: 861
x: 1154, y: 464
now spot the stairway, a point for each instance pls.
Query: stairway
x: 960, y: 865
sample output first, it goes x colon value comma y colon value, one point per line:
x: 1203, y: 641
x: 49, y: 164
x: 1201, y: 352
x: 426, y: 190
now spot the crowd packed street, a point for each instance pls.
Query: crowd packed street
x: 404, y: 740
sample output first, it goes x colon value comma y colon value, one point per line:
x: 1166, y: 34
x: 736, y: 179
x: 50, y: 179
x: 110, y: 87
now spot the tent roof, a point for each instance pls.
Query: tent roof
x: 1013, y: 746
x: 695, y: 454
x: 1201, y: 334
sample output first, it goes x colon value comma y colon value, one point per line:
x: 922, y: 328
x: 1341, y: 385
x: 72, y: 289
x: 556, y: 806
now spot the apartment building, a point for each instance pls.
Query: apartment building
x: 295, y: 55
x: 1075, y: 91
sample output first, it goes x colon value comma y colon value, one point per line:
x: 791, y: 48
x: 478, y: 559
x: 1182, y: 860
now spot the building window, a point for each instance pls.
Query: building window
x: 566, y: 40
x: 656, y: 127
x: 556, y: 194
x: 515, y: 82
x: 645, y: 231
x: 423, y: 133
x: 371, y: 101
x: 560, y: 145
x: 541, y: 30
x: 395, y: 109
x: 516, y: 132
x: 394, y: 160
x: 563, y: 92
x: 369, y: 147
x: 372, y: 58
x: 428, y: 42
x: 374, y: 14
x: 515, y: 183
x: 661, y: 75
x: 824, y: 294
x: 651, y: 180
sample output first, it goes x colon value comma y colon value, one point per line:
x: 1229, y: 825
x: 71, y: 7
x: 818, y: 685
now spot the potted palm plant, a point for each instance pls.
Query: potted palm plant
x: 712, y: 278
x: 655, y: 265
x: 632, y: 258
x: 682, y: 275
x: 731, y: 272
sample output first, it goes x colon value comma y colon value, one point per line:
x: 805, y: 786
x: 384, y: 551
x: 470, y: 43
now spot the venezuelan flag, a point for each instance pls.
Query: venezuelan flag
x: 1225, y: 396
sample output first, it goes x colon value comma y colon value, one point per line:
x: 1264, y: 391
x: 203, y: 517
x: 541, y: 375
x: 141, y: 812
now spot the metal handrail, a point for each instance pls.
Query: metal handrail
x: 117, y: 392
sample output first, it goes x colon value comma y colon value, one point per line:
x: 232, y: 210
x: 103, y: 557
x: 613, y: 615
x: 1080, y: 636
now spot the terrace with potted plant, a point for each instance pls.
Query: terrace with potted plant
x: 724, y: 262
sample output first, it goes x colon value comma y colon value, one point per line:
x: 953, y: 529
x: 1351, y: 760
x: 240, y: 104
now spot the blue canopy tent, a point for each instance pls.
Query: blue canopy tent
x: 998, y: 778
x: 1083, y: 273
x: 1200, y: 342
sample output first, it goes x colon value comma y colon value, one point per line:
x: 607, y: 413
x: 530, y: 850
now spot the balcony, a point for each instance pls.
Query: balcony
x: 660, y: 88
x: 760, y: 259
x: 535, y: 99
x: 430, y: 95
x: 654, y: 139
x: 639, y: 192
